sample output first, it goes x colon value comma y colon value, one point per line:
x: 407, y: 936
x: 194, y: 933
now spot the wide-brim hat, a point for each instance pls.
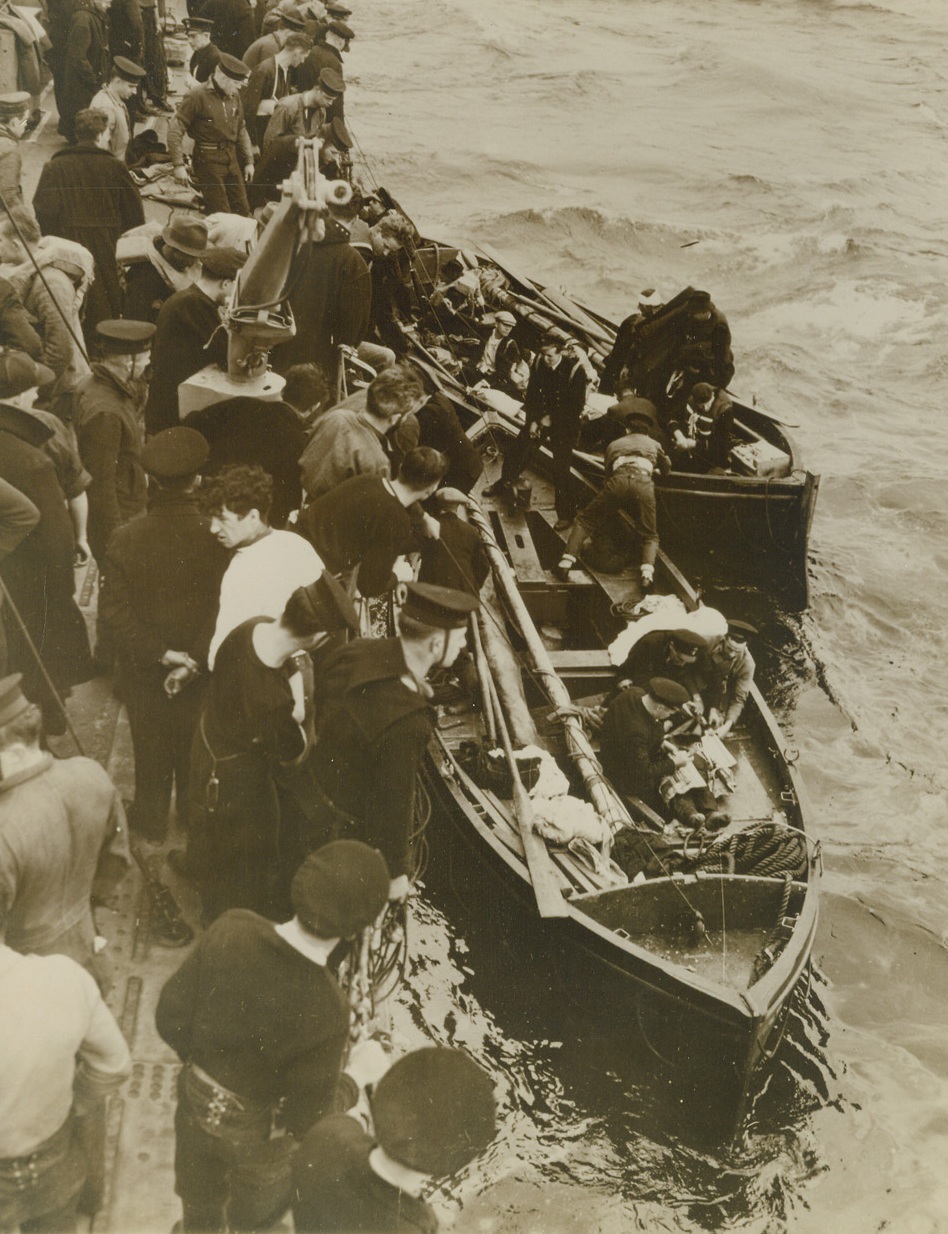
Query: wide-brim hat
x: 340, y: 889
x: 186, y: 234
x: 434, y: 1110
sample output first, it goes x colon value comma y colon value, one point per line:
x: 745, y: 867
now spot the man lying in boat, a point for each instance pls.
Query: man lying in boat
x: 618, y: 528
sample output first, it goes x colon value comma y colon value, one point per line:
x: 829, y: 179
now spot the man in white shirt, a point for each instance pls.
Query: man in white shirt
x: 61, y: 1055
x: 267, y: 565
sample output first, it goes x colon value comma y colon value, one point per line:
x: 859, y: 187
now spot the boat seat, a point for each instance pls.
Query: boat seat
x: 520, y: 548
x: 584, y: 660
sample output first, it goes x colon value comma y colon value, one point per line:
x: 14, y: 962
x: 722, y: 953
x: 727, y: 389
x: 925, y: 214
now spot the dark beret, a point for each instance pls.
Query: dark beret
x: 340, y: 889
x: 174, y: 453
x: 668, y: 692
x: 223, y: 263
x: 434, y: 1110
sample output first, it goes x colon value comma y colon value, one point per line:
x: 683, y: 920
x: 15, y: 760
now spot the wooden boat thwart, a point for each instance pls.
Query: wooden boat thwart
x: 702, y: 1000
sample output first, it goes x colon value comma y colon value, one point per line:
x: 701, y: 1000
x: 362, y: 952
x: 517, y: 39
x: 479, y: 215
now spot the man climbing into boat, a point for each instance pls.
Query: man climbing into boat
x: 618, y: 528
x: 376, y: 720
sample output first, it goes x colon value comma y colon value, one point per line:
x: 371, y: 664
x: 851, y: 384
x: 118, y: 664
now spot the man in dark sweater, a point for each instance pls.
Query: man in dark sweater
x: 633, y: 750
x: 259, y: 1022
x: 189, y: 335
x: 367, y: 522
x: 433, y: 1112
x: 164, y: 574
x: 456, y: 557
x: 376, y: 722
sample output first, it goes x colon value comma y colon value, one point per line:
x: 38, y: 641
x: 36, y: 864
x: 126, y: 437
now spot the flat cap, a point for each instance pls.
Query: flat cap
x: 440, y: 607
x: 434, y: 1110
x: 340, y: 28
x: 337, y: 132
x: 687, y: 638
x: 174, y: 453
x: 668, y: 692
x: 292, y: 20
x: 740, y: 631
x: 187, y: 234
x: 123, y: 337
x: 231, y: 67
x: 331, y: 81
x: 632, y: 405
x: 339, y: 11
x: 199, y: 24
x: 14, y: 104
x: 13, y: 702
x: 649, y: 298
x: 340, y: 889
x: 223, y: 263
x: 328, y: 605
x: 127, y: 69
x: 19, y: 372
x: 503, y: 315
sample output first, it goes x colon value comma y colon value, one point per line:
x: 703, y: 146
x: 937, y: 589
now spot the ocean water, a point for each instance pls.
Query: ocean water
x: 791, y: 158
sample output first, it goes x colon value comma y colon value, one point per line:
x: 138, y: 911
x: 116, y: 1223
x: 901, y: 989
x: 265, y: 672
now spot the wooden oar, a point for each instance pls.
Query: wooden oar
x: 483, y: 678
x: 608, y: 804
x: 546, y: 887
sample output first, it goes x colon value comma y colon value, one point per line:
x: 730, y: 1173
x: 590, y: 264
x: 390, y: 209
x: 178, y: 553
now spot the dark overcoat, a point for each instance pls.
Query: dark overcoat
x: 331, y: 303
x: 85, y: 194
x: 189, y: 336
x: 86, y: 63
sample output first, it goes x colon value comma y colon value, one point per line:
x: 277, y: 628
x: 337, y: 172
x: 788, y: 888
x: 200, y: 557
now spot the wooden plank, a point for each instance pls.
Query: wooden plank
x: 594, y: 660
x: 521, y: 549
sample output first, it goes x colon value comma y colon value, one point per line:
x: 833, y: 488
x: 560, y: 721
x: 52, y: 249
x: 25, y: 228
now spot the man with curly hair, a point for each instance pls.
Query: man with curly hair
x: 267, y: 565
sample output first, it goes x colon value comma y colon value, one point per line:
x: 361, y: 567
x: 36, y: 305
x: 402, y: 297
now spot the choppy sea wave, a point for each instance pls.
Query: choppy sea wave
x: 788, y: 156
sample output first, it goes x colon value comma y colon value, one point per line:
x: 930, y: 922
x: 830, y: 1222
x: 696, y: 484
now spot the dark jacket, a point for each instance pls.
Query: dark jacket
x: 15, y: 328
x: 189, y: 336
x: 320, y: 57
x: 457, y: 559
x: 649, y: 658
x: 360, y: 523
x: 372, y: 736
x: 164, y: 573
x: 39, y: 574
x: 233, y: 25
x: 441, y: 430
x: 631, y: 748
x: 87, y: 195
x: 331, y: 303
x: 204, y: 61
x: 559, y: 393
x: 126, y: 36
x: 87, y: 62
x: 109, y: 432
x: 248, y: 431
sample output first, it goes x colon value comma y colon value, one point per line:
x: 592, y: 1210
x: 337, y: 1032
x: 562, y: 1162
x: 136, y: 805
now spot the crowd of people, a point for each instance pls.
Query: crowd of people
x: 232, y: 544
